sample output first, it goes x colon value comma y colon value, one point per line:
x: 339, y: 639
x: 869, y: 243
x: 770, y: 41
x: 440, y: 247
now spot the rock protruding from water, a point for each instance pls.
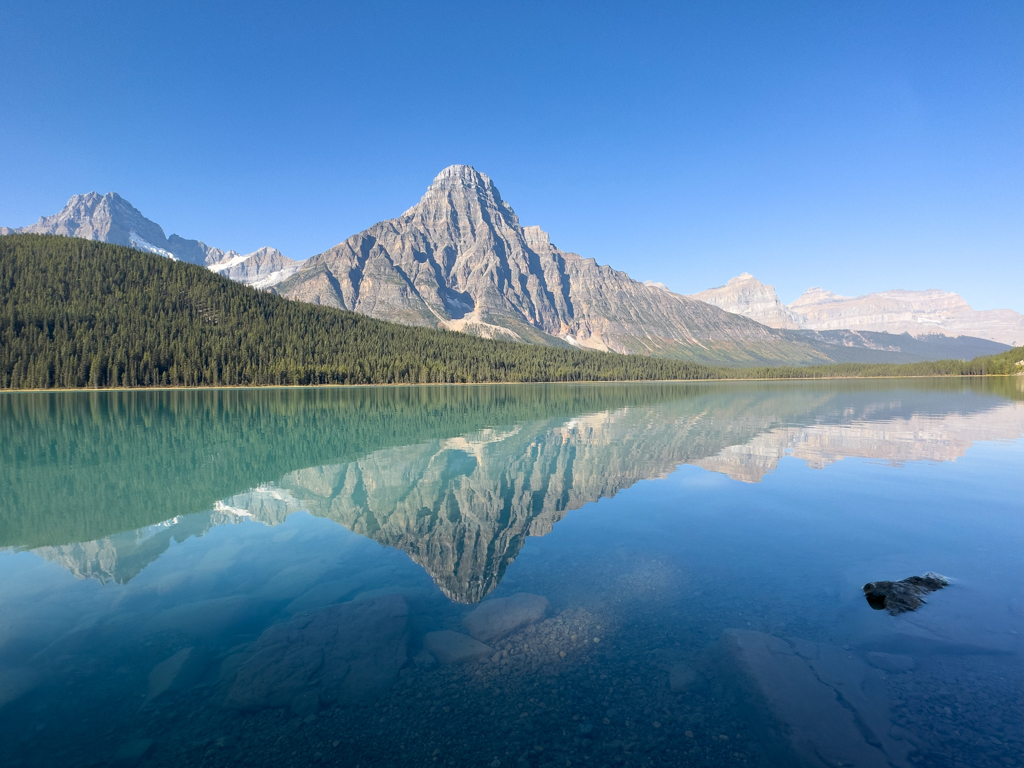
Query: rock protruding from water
x: 493, y: 619
x: 343, y: 652
x: 450, y: 647
x: 898, y: 597
x: 833, y: 704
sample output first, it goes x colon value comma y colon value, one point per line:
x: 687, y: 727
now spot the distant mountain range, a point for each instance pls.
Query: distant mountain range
x: 460, y: 260
x: 110, y: 218
x: 919, y: 313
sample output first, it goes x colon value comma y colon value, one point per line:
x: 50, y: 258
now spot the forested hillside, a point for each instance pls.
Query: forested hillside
x: 77, y: 313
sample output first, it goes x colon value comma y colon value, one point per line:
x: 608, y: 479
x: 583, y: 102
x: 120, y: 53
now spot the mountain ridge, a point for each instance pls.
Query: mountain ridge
x: 896, y: 311
x: 460, y: 260
x: 111, y: 219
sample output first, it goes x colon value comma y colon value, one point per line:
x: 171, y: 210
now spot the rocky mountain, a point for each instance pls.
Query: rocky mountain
x: 110, y: 218
x: 260, y: 269
x: 461, y: 260
x: 746, y: 295
x: 914, y: 312
x: 918, y: 313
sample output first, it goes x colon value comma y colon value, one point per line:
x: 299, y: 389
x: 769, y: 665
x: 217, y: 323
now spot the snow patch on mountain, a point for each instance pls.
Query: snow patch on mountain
x: 141, y: 244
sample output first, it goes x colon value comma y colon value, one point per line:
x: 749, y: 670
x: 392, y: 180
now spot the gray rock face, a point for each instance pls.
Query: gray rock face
x: 746, y: 295
x: 460, y: 260
x: 833, y: 704
x: 450, y: 647
x: 260, y: 269
x: 342, y: 652
x: 912, y: 323
x: 495, y: 618
x: 896, y: 312
x: 914, y: 312
x: 110, y: 218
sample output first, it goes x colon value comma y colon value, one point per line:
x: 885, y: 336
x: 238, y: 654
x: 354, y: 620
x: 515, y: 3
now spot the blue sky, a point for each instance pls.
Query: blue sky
x: 855, y: 146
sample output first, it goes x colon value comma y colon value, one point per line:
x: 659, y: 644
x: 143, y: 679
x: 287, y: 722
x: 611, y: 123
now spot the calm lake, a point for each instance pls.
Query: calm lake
x: 513, y: 576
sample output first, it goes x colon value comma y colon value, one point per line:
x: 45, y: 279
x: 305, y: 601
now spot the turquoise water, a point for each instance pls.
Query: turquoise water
x: 256, y: 577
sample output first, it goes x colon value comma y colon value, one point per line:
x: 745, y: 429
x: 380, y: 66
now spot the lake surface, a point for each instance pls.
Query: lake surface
x: 519, y: 576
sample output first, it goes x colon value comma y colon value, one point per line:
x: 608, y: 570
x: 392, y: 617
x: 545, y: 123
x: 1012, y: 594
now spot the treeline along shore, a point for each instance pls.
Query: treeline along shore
x: 78, y: 314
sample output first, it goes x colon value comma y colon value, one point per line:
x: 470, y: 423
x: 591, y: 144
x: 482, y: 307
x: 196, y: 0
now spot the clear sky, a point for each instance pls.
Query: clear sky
x: 856, y: 146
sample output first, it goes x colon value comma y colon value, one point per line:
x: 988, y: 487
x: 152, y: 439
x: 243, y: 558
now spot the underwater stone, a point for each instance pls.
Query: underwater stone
x: 681, y: 678
x: 344, y: 652
x: 450, y: 647
x: 182, y: 670
x: 324, y: 593
x: 834, y: 706
x: 493, y: 619
x: 891, y: 662
x: 130, y: 753
x: 306, y: 704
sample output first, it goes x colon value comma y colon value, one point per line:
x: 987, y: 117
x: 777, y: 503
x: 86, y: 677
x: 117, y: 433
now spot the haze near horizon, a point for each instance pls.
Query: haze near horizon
x: 859, y: 149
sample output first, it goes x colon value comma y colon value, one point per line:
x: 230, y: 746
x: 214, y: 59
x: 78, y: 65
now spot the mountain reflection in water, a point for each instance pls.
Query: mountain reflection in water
x: 460, y: 478
x: 215, y: 578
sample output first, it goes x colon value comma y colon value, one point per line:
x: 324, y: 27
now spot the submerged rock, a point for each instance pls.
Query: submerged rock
x: 14, y: 683
x: 891, y: 662
x: 898, y: 597
x: 324, y: 593
x: 833, y: 704
x: 182, y: 670
x: 450, y: 647
x: 681, y: 678
x: 493, y: 619
x: 345, y: 652
x: 306, y: 704
x: 131, y: 752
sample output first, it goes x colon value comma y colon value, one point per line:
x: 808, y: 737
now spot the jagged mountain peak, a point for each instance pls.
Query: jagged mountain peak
x: 467, y: 192
x: 110, y: 218
x: 537, y: 237
x: 459, y: 259
x: 815, y: 295
x: 746, y: 295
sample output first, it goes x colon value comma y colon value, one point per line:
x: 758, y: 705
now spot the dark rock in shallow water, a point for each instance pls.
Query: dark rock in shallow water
x: 898, y: 597
x: 342, y: 652
x: 495, y: 618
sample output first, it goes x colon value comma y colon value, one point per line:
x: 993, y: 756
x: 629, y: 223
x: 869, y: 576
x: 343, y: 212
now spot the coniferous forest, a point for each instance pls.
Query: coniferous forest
x: 78, y: 314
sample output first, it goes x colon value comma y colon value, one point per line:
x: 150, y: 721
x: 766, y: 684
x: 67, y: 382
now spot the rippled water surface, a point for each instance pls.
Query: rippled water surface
x: 550, y: 575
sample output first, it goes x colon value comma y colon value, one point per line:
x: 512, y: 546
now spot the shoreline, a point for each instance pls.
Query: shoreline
x: 232, y: 387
